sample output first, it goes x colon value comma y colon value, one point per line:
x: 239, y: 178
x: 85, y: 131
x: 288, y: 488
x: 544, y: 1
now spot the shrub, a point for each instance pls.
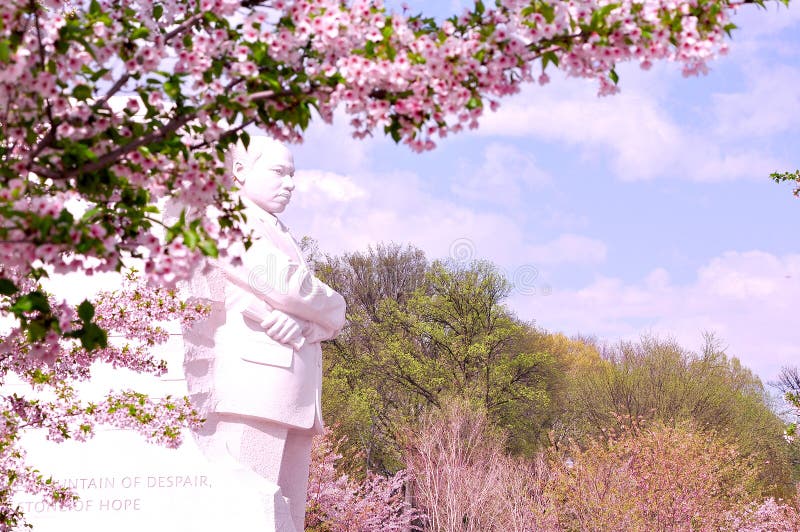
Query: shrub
x: 464, y: 481
x: 769, y: 516
x: 338, y: 503
x: 654, y: 478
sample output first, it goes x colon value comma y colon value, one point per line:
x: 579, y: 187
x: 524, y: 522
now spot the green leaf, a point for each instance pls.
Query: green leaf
x: 190, y: 238
x: 99, y: 74
x: 548, y: 12
x: 728, y: 28
x: 549, y: 57
x: 30, y: 302
x: 40, y: 377
x: 614, y: 76
x: 209, y: 248
x: 36, y: 331
x: 92, y: 337
x: 474, y: 103
x: 158, y: 10
x: 172, y: 87
x: 601, y: 14
x: 82, y: 92
x: 91, y: 213
x: 7, y: 287
x: 393, y: 130
x: 94, y: 8
x: 5, y: 51
x: 86, y: 311
x: 140, y: 33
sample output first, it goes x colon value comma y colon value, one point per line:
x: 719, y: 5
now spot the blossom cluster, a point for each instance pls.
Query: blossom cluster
x: 339, y: 503
x: 126, y: 328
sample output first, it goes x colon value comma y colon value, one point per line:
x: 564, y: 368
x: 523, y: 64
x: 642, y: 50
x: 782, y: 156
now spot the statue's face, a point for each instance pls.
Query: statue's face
x: 269, y: 182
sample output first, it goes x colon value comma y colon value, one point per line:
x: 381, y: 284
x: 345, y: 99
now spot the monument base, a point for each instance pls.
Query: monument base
x: 127, y: 485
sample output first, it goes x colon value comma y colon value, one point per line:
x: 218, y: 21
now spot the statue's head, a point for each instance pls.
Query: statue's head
x: 264, y: 172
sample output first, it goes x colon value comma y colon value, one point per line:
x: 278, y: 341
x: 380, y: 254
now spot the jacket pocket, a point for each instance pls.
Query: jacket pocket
x: 272, y: 354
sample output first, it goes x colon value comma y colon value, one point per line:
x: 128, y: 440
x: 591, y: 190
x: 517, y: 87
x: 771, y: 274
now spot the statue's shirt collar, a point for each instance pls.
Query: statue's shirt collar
x: 266, y: 225
x: 256, y: 214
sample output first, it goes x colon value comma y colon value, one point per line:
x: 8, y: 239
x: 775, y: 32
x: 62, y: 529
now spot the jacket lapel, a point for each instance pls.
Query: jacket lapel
x: 265, y: 225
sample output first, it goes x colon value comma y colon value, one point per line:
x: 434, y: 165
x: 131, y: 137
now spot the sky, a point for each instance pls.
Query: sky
x: 648, y: 212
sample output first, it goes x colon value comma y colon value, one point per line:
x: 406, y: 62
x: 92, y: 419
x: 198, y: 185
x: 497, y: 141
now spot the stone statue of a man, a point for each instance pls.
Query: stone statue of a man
x: 254, y: 367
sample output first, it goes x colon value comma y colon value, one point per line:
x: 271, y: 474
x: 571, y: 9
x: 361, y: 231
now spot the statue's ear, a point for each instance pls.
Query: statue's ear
x: 238, y: 172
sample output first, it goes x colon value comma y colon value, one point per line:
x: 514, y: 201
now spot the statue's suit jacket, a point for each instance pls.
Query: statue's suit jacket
x: 250, y: 374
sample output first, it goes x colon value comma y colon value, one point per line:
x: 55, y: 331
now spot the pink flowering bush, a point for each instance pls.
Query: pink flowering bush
x: 52, y: 368
x: 789, y: 384
x: 769, y: 516
x: 338, y: 503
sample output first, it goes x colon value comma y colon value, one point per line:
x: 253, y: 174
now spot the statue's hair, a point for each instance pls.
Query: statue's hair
x: 248, y: 156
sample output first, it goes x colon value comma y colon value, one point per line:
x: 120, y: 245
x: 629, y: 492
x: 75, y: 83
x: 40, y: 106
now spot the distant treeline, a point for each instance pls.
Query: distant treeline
x: 423, y: 333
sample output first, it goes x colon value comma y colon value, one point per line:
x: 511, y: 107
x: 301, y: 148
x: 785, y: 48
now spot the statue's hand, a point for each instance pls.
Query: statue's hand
x: 283, y: 328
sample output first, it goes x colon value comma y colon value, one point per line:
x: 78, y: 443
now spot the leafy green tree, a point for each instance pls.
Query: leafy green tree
x: 419, y: 333
x: 351, y: 396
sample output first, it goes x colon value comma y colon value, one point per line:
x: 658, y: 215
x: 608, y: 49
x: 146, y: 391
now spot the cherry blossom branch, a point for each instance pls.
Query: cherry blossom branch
x: 184, y: 26
x: 112, y: 91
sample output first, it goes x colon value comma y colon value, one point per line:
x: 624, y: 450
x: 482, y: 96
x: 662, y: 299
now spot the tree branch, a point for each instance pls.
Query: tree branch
x: 185, y: 25
x: 113, y: 90
x: 48, y: 107
x: 263, y: 95
x: 109, y: 157
x: 45, y: 142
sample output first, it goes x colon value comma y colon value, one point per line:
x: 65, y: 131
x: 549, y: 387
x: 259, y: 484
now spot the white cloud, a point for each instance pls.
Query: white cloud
x: 748, y: 299
x: 399, y: 207
x: 335, y: 187
x: 754, y: 275
x: 644, y: 140
x: 566, y: 248
x: 505, y: 174
x: 769, y: 106
x: 332, y: 146
x: 363, y: 208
